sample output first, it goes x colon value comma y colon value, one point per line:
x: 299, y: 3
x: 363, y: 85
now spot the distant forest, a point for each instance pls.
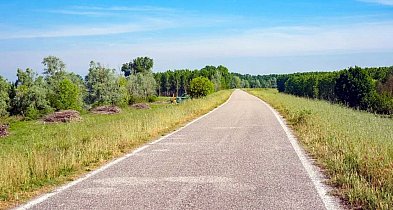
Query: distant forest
x: 368, y: 89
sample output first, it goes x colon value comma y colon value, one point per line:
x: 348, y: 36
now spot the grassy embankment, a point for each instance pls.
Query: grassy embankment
x: 355, y: 148
x: 36, y: 156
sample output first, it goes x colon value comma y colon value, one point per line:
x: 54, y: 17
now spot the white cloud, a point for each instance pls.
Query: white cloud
x: 383, y: 2
x: 109, y: 11
x: 150, y: 24
x: 279, y: 41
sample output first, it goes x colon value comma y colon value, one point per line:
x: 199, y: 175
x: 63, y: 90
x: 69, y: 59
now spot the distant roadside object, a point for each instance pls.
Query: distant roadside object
x: 182, y: 98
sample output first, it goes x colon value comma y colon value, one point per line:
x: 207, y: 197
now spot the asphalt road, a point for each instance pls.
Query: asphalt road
x: 237, y: 157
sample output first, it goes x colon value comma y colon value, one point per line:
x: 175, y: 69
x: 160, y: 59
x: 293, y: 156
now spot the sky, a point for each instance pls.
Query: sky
x: 247, y: 36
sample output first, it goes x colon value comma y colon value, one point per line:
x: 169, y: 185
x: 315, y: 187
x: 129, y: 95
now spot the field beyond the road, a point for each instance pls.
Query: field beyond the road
x: 36, y: 157
x: 354, y: 148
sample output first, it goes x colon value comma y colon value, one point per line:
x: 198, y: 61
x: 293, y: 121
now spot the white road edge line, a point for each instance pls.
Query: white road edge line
x: 46, y: 196
x: 313, y: 171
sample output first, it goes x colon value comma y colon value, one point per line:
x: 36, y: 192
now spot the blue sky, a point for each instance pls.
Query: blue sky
x: 248, y: 36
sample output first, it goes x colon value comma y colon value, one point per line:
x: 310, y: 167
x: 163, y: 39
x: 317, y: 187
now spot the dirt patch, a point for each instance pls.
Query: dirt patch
x: 106, y: 110
x: 4, y: 130
x: 63, y: 116
x: 140, y: 106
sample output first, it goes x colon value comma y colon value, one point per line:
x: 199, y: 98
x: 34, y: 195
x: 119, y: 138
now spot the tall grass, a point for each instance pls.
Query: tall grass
x: 355, y: 148
x: 38, y: 155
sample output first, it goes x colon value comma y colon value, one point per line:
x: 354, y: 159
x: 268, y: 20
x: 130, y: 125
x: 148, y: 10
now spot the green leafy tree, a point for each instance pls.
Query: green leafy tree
x: 65, y: 90
x: 245, y: 83
x: 53, y: 66
x: 67, y: 96
x: 4, y: 97
x: 143, y: 65
x: 201, y: 86
x: 29, y: 95
x: 138, y: 65
x: 236, y: 82
x: 141, y: 86
x: 102, y: 86
x: 355, y: 87
x: 127, y: 69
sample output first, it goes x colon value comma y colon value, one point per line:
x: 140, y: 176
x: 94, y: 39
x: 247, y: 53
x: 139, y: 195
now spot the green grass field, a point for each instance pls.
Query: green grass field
x: 354, y: 148
x: 35, y: 157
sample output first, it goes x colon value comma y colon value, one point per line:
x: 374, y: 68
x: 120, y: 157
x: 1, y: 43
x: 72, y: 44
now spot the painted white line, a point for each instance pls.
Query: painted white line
x: 46, y: 196
x: 330, y: 202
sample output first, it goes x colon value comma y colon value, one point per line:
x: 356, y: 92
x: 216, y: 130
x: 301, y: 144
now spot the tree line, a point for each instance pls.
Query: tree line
x: 33, y: 95
x: 368, y: 89
x: 177, y: 82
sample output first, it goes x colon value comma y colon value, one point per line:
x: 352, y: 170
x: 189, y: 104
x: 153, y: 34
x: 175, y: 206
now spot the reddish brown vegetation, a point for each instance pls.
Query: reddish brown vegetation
x: 141, y: 106
x: 63, y: 116
x: 3, y: 130
x: 387, y: 86
x: 106, y: 110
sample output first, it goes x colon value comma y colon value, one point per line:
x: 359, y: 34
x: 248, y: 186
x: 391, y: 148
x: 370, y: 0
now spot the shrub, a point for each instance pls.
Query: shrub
x: 66, y: 96
x: 201, y: 86
x: 152, y: 99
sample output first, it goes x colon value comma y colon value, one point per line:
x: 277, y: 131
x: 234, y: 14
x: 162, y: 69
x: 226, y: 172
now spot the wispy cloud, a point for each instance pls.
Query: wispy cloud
x: 281, y: 41
x: 383, y: 2
x: 90, y: 30
x: 108, y: 11
x: 127, y: 23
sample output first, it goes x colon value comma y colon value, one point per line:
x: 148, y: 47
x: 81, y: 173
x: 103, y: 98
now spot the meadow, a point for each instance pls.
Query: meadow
x: 354, y: 148
x: 36, y: 157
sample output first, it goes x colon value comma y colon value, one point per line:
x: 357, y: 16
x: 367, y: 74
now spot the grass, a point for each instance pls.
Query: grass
x: 35, y: 157
x: 354, y: 148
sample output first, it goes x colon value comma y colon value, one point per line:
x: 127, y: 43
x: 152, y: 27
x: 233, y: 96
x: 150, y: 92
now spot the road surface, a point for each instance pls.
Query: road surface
x: 236, y: 157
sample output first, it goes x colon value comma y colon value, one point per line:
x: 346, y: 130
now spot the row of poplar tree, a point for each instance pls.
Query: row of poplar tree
x: 33, y: 95
x: 368, y: 89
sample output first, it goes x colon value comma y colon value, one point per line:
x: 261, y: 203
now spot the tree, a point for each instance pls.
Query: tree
x: 4, y: 97
x: 354, y: 87
x: 102, y: 85
x: 236, y: 82
x: 245, y: 83
x: 53, y: 65
x: 141, y: 86
x: 127, y: 68
x: 138, y: 65
x: 29, y: 95
x: 201, y: 86
x: 143, y: 65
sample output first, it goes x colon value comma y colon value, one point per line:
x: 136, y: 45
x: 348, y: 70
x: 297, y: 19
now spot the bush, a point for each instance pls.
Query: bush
x: 66, y: 96
x: 201, y: 86
x: 152, y: 99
